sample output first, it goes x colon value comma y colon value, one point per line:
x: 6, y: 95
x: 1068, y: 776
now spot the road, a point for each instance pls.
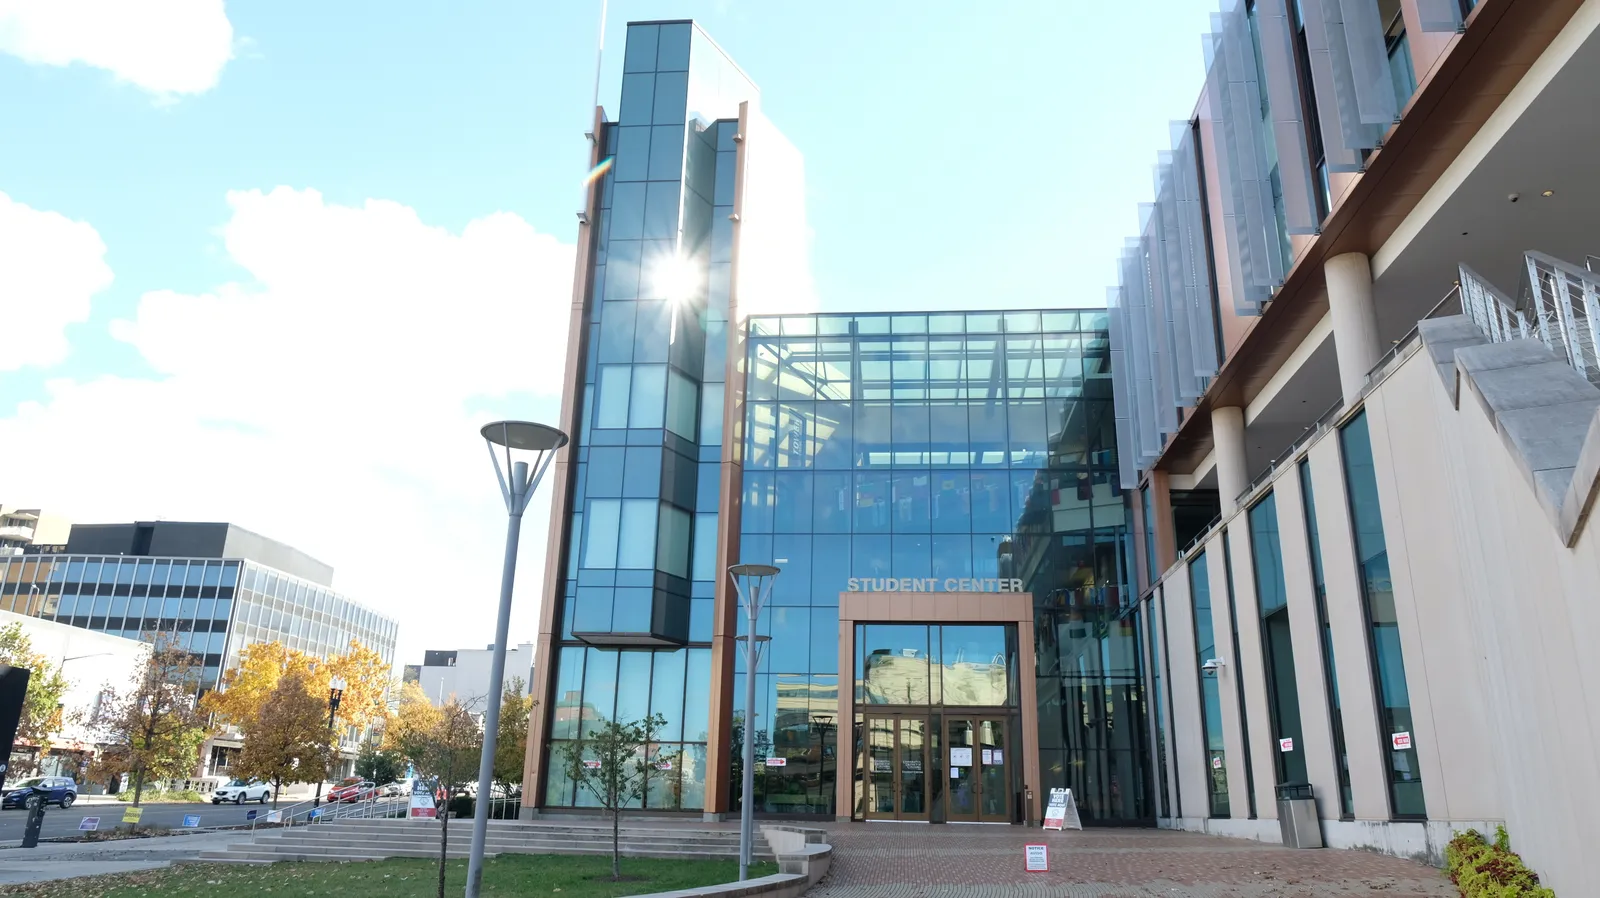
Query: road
x: 65, y: 823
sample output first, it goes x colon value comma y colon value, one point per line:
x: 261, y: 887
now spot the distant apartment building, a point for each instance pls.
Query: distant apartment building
x: 213, y: 587
x: 26, y: 530
x: 463, y: 674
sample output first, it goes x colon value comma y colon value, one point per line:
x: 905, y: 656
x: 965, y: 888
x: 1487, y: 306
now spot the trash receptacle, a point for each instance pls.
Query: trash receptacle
x: 1297, y: 816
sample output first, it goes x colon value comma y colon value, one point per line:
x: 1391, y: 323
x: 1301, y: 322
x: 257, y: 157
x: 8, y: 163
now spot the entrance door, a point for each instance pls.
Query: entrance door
x: 979, y: 790
x: 896, y: 768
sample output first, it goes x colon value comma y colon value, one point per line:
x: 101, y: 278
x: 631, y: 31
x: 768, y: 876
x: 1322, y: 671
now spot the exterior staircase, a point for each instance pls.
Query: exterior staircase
x: 366, y: 840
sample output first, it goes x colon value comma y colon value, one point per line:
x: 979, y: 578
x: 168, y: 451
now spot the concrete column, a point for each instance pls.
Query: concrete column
x: 1355, y: 320
x: 1227, y: 436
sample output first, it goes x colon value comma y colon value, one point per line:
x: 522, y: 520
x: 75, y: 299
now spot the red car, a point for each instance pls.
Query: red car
x: 352, y: 790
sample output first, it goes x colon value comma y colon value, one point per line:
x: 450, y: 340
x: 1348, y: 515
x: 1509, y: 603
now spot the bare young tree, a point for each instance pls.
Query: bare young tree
x: 451, y: 755
x: 154, y: 730
x: 614, y: 763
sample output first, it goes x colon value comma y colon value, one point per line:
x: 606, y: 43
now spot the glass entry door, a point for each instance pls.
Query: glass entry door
x: 896, y: 761
x: 979, y: 790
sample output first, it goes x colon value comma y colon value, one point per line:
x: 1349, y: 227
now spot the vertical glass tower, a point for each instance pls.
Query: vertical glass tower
x: 964, y: 461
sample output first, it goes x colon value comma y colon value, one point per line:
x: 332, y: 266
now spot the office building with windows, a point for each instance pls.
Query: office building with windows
x: 1356, y: 336
x: 213, y: 588
x: 216, y: 588
x: 951, y: 630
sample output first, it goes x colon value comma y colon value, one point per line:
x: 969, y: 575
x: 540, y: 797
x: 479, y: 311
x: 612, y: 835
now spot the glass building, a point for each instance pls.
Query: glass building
x: 939, y: 491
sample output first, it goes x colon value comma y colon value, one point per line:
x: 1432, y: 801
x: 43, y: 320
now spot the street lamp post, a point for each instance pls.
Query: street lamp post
x: 754, y: 590
x: 336, y: 687
x: 536, y: 446
x: 822, y: 725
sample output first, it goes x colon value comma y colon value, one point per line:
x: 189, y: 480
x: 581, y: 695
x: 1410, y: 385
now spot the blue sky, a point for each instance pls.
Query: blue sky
x: 331, y: 233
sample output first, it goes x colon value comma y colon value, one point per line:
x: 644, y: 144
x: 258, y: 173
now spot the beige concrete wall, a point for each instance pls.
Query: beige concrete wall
x: 1253, y: 667
x: 1511, y: 617
x: 1305, y: 634
x: 1186, y: 741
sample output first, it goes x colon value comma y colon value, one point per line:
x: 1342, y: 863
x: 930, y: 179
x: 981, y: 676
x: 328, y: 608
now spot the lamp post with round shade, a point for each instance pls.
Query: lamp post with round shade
x: 527, y: 450
x: 754, y: 584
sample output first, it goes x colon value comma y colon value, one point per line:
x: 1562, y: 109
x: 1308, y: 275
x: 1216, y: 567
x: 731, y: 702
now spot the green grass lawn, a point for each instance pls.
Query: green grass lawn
x: 512, y: 874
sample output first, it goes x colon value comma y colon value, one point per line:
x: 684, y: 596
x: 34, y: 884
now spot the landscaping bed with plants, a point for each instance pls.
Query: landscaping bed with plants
x: 1484, y: 869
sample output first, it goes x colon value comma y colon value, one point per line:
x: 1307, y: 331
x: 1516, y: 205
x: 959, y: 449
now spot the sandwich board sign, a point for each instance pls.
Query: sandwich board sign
x: 422, y: 807
x: 1062, y: 811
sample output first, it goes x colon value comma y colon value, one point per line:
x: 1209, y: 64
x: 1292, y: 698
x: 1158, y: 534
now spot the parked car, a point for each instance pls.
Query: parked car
x: 396, y: 788
x: 241, y: 791
x: 30, y: 793
x: 360, y: 790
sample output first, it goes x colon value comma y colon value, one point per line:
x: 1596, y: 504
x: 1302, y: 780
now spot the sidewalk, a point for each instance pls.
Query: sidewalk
x: 66, y: 860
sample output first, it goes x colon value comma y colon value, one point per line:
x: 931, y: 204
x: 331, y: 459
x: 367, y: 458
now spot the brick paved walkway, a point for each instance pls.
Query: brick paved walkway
x: 889, y: 860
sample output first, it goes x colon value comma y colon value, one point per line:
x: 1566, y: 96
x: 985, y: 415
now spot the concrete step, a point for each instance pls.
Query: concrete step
x: 316, y: 837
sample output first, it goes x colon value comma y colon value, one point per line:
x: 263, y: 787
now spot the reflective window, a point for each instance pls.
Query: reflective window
x: 636, y: 540
x: 1272, y: 600
x: 1210, y: 691
x: 1377, y: 593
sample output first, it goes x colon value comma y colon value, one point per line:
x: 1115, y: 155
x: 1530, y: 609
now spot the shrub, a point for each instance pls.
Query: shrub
x: 1482, y: 870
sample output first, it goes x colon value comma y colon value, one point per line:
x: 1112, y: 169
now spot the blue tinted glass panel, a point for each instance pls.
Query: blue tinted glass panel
x: 671, y: 99
x: 673, y: 54
x: 640, y: 52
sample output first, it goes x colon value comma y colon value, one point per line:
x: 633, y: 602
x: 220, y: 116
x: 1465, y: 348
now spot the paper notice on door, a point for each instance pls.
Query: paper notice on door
x: 960, y: 757
x: 999, y: 756
x: 988, y: 756
x: 955, y: 773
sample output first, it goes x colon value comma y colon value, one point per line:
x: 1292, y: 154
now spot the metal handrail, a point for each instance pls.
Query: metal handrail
x: 1565, y: 300
x: 1201, y: 536
x: 1319, y: 426
x: 1557, y: 303
x: 1410, y: 337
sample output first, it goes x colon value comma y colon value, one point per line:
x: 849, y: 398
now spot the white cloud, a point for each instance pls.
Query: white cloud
x: 163, y: 46
x: 50, y: 267
x: 330, y: 401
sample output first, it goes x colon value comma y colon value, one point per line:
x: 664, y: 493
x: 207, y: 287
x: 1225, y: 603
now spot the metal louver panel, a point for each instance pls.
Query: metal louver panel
x: 1121, y: 392
x: 1146, y: 429
x: 1246, y: 194
x: 1169, y: 275
x: 1276, y: 36
x: 1440, y: 15
x: 1344, y: 134
x: 1158, y: 321
x: 1369, y: 62
x: 1193, y: 258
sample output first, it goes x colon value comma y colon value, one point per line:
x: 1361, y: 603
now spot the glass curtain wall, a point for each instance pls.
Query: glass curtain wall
x: 950, y: 446
x: 640, y: 554
x: 1330, y: 680
x: 1377, y: 594
x: 1277, y: 646
x: 1205, y: 644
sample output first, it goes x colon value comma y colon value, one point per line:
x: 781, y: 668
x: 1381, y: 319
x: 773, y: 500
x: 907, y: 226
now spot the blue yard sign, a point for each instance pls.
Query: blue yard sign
x: 191, y: 820
x: 89, y: 824
x: 251, y: 815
